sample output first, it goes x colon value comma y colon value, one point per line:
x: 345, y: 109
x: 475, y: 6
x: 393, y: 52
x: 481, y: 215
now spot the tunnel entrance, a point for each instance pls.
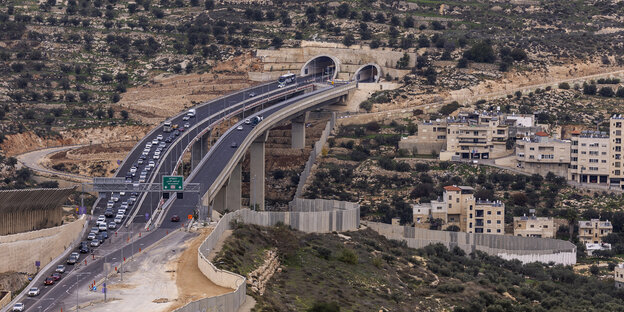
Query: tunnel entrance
x: 322, y: 65
x: 368, y: 73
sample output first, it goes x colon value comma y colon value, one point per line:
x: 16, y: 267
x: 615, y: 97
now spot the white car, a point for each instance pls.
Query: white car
x: 239, y: 128
x: 95, y: 243
x: 151, y: 164
x: 101, y: 218
x: 124, y: 205
x: 156, y: 156
x: 122, y: 193
x: 159, y: 137
x: 102, y: 226
x: 118, y: 219
x: 33, y: 292
x: 154, y: 141
x: 60, y: 268
x: 247, y: 121
x: 91, y: 236
x: 18, y: 307
x: 121, y: 212
x: 110, y: 204
x: 112, y: 225
x: 133, y: 170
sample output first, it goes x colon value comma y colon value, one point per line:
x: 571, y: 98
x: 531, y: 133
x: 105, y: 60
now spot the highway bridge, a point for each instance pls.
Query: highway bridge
x: 216, y: 168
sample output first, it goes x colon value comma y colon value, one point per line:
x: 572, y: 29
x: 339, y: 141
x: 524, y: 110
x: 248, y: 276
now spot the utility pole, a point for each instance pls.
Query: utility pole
x: 78, y: 274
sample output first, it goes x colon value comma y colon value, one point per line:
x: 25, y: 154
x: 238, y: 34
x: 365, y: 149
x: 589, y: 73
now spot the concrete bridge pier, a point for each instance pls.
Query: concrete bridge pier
x: 234, y: 191
x: 298, y: 131
x: 199, y: 150
x: 256, y: 172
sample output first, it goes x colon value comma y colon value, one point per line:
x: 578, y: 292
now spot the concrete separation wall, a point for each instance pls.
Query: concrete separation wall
x: 314, y: 154
x: 20, y: 251
x: 508, y: 247
x: 308, y: 215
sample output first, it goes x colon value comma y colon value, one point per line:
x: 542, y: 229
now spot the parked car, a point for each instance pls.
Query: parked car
x: 175, y: 218
x: 18, y: 307
x: 33, y: 291
x: 48, y: 281
x: 60, y: 268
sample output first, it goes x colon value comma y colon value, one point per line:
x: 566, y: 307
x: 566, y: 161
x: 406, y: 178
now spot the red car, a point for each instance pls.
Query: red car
x: 175, y: 218
x: 56, y: 276
x: 181, y: 129
x: 48, y: 281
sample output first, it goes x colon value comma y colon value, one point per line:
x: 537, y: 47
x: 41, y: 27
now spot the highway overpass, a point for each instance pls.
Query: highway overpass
x: 218, y: 173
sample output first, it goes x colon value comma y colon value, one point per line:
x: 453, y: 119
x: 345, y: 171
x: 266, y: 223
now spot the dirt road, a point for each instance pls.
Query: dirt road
x: 191, y: 282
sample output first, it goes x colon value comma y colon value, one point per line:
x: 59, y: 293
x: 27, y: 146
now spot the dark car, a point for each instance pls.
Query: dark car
x: 109, y: 213
x: 234, y: 144
x: 48, y: 281
x: 169, y: 139
x: 104, y: 235
x: 84, y: 247
x: 176, y: 133
x: 175, y: 218
x: 56, y: 276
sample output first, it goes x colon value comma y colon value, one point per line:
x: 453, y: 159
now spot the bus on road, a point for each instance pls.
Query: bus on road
x: 286, y: 79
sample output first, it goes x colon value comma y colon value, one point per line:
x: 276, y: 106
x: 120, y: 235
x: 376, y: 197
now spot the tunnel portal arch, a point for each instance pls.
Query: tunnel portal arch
x: 321, y: 65
x: 368, y: 73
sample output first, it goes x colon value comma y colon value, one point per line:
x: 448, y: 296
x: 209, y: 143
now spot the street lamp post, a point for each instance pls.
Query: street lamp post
x: 78, y: 274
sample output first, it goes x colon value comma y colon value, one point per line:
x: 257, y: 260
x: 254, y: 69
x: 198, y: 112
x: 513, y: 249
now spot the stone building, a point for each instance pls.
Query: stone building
x: 589, y: 157
x: 542, y: 154
x: 619, y: 275
x: 592, y: 231
x: 533, y: 226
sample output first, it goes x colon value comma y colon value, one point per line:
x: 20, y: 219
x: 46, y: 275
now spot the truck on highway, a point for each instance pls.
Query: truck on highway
x: 167, y: 126
x: 256, y: 120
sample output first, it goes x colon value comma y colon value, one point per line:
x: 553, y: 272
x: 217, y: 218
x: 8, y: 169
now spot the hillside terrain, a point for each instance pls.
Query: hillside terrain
x: 363, y: 271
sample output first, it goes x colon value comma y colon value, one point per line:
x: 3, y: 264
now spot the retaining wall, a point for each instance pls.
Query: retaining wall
x: 308, y: 215
x: 19, y: 252
x: 508, y: 247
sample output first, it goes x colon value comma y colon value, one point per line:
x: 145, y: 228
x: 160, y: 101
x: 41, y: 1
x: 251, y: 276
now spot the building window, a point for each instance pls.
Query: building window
x: 498, y: 213
x: 489, y: 221
x: 532, y: 225
x: 497, y: 230
x: 489, y: 231
x: 498, y: 221
x: 489, y: 212
x: 545, y: 226
x: 450, y: 206
x: 457, y: 199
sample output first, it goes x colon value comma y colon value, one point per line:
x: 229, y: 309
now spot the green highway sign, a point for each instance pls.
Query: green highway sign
x: 172, y: 183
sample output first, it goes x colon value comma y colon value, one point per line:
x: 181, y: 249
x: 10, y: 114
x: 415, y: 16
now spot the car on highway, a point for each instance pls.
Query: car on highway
x: 103, y: 235
x: 84, y: 247
x: 102, y: 226
x: 151, y: 164
x: 133, y: 169
x: 239, y: 128
x: 112, y: 225
x: 121, y: 211
x: 73, y: 258
x: 162, y: 145
x: 176, y: 133
x: 187, y: 125
x: 145, y: 153
x: 118, y: 219
x: 175, y: 218
x: 252, y: 94
x: 91, y: 236
x: 48, y: 281
x: 185, y: 118
x: 18, y: 307
x: 159, y: 137
x: 142, y: 157
x: 33, y: 291
x: 148, y: 145
x: 154, y: 141
x: 156, y: 156
x: 101, y: 218
x: 109, y: 213
x: 140, y: 161
x: 94, y: 229
x: 124, y: 205
x: 122, y: 193
x: 56, y: 276
x: 247, y: 121
x: 181, y: 129
x: 169, y: 140
x: 234, y: 144
x: 110, y: 204
x: 95, y: 242
x: 60, y: 268
x: 115, y: 197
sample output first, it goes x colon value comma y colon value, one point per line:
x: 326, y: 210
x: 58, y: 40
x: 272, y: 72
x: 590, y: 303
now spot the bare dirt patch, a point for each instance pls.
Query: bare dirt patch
x: 168, y: 94
x: 96, y: 160
x: 191, y: 282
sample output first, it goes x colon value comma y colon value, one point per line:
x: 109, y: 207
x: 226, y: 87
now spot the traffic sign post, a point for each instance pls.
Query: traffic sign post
x: 172, y: 183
